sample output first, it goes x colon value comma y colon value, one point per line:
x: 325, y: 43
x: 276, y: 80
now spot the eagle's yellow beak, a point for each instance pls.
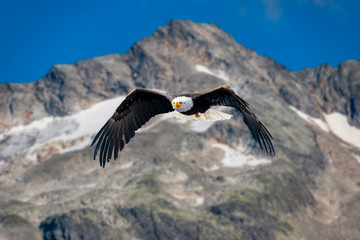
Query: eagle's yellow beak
x: 176, y: 105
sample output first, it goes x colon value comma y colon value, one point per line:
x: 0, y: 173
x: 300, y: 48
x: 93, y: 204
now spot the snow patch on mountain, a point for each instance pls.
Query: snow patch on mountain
x: 314, y: 121
x: 216, y: 73
x: 236, y: 157
x: 127, y: 165
x: 51, y: 129
x: 57, y: 132
x: 201, y: 126
x: 199, y: 201
x: 213, y: 168
x: 357, y: 157
x: 336, y: 123
x: 340, y: 126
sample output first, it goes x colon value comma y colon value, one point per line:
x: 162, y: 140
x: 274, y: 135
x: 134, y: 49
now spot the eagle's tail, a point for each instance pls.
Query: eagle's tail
x: 214, y: 115
x: 209, y: 115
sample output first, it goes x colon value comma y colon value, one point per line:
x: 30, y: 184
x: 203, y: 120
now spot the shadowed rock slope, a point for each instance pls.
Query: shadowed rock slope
x: 175, y: 180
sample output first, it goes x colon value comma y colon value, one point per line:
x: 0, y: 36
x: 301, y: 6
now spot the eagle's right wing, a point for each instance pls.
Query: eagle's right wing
x: 138, y: 107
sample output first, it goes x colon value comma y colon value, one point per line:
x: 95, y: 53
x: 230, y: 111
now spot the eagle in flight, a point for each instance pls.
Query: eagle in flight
x: 142, y: 104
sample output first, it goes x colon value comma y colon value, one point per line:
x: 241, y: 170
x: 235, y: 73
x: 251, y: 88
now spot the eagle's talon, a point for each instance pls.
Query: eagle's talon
x: 197, y: 115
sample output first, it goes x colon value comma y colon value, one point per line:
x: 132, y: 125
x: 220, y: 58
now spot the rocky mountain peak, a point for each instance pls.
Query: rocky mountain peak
x: 180, y: 32
x: 167, y: 60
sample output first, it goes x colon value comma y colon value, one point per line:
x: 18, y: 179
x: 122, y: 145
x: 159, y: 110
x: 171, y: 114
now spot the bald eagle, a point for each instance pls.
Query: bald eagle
x: 142, y: 104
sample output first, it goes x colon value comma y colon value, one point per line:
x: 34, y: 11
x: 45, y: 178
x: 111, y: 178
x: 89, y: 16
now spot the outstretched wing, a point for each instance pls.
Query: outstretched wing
x: 138, y: 107
x: 225, y: 96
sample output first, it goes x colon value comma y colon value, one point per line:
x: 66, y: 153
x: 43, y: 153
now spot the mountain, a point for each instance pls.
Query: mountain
x: 175, y: 179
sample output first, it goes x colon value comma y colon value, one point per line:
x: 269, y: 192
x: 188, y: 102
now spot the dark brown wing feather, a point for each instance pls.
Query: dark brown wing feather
x: 225, y: 96
x: 138, y: 107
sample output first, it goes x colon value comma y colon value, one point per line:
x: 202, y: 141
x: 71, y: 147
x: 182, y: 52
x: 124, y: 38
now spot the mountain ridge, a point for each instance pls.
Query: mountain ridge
x: 95, y: 79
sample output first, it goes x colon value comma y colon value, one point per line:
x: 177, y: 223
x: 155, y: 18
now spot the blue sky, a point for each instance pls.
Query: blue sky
x: 35, y: 34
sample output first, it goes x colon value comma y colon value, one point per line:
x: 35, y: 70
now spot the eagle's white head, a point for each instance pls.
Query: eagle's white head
x: 182, y: 104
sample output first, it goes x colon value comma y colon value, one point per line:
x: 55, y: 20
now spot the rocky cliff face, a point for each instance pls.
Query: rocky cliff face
x: 335, y: 89
x: 179, y: 180
x: 66, y: 89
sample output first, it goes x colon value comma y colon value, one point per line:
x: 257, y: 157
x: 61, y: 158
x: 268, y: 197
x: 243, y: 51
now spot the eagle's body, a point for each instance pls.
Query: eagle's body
x: 185, y: 108
x: 141, y: 104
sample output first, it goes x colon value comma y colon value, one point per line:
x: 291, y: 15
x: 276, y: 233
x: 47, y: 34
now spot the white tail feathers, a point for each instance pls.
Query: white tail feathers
x: 214, y: 115
x: 209, y: 115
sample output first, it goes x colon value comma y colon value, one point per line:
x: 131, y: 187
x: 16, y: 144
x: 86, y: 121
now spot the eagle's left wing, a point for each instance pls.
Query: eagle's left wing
x: 225, y: 96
